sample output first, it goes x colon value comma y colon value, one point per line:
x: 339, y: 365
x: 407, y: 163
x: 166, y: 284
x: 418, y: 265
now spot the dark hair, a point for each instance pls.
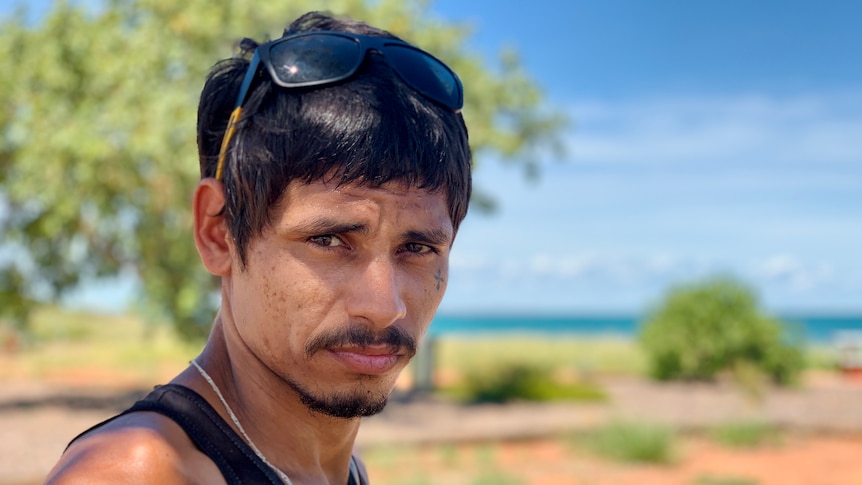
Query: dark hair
x: 370, y: 129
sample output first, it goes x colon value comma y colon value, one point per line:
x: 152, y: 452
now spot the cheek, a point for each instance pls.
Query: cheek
x: 293, y: 302
x: 280, y: 281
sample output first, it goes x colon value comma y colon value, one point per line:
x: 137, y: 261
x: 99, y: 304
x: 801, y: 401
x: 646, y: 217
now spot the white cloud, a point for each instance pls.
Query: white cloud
x: 551, y: 268
x: 741, y: 130
x: 791, y: 271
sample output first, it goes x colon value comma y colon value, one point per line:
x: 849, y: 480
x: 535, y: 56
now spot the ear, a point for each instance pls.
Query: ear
x: 212, y: 237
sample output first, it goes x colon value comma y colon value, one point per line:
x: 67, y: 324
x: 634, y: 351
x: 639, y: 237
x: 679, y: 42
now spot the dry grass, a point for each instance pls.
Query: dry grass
x: 123, y: 349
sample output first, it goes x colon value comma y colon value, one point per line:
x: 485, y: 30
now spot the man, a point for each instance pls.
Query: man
x: 335, y: 172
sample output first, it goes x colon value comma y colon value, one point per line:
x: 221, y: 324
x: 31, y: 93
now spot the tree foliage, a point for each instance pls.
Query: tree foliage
x: 97, y: 140
x: 714, y: 326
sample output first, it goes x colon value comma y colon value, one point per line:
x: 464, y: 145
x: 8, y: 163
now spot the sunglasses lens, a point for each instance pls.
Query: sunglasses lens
x: 309, y: 60
x: 314, y: 59
x: 426, y: 74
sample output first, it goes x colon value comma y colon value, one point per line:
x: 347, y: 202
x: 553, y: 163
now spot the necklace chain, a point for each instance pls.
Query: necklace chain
x: 283, y: 476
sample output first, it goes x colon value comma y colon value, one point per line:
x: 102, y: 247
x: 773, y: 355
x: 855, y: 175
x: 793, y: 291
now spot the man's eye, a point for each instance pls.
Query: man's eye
x: 417, y: 248
x: 327, y: 241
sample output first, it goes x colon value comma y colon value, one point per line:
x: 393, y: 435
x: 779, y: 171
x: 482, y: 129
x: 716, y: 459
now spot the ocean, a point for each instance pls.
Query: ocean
x: 813, y: 328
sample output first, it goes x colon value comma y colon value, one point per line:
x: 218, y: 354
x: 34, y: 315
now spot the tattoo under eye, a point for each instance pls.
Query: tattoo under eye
x: 438, y: 277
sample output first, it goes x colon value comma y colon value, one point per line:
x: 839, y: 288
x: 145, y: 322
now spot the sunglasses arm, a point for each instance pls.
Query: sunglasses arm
x: 236, y: 113
x: 246, y: 82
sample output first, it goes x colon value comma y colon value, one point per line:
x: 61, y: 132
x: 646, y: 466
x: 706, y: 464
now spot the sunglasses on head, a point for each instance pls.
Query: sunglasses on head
x: 322, y: 57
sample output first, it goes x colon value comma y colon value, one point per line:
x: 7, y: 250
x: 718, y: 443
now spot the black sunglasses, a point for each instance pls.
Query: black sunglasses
x: 323, y: 57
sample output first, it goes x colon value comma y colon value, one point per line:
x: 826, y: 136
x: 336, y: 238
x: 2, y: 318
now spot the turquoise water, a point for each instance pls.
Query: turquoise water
x: 814, y: 328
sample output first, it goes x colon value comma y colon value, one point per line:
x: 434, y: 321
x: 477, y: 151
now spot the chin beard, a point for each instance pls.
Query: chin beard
x: 345, y: 405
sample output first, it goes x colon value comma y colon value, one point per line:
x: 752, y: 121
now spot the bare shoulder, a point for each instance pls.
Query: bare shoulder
x: 140, y: 447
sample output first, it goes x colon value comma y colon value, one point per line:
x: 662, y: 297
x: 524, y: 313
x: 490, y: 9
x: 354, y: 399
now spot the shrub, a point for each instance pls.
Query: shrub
x: 715, y: 326
x: 522, y: 382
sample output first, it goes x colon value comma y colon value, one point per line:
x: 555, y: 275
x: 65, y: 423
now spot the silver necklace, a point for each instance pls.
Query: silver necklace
x: 283, y: 476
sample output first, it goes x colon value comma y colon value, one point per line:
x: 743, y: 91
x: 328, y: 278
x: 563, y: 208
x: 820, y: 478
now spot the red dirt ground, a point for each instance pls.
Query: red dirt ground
x: 812, y: 460
x: 38, y: 418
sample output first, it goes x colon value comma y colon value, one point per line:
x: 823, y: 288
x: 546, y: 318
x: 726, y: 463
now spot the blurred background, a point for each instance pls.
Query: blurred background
x: 663, y: 250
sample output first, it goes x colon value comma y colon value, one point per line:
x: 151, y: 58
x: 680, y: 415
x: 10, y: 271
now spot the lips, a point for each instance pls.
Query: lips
x: 367, y: 360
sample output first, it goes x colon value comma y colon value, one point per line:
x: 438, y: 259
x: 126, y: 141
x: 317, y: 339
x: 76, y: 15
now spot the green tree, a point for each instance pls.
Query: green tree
x: 97, y: 141
x: 712, y: 326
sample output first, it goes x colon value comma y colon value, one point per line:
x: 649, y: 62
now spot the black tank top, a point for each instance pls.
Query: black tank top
x: 237, y: 462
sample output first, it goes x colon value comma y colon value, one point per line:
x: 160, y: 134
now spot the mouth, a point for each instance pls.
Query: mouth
x: 370, y: 360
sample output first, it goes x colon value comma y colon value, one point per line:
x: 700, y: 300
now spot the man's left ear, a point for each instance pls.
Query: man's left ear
x: 211, y: 231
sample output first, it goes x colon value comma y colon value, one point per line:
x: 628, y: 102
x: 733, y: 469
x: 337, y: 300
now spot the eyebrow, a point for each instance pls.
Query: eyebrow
x: 433, y: 237
x: 325, y: 225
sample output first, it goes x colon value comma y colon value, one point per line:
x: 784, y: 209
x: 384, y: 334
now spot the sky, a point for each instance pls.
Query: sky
x: 704, y: 138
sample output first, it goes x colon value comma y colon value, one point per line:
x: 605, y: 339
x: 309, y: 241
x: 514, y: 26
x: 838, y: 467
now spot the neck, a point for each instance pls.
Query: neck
x: 308, y: 446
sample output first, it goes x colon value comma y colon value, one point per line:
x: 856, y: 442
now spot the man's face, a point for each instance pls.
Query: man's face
x: 340, y: 288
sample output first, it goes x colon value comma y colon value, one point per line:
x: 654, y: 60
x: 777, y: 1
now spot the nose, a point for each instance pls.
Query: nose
x: 377, y: 294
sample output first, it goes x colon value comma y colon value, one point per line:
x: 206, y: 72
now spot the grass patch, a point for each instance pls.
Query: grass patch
x: 62, y: 343
x: 821, y: 357
x: 449, y: 455
x: 746, y: 434
x: 724, y: 480
x: 496, y: 478
x: 586, y: 355
x: 390, y: 456
x: 477, y: 463
x: 631, y: 442
x: 414, y: 481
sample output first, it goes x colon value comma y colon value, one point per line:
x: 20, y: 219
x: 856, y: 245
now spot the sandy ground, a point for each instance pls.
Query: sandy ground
x: 38, y: 419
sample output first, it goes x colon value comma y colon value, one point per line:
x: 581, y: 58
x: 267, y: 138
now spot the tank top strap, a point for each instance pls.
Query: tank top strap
x: 210, y: 433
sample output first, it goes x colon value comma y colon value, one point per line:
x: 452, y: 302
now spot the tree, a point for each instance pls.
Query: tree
x: 712, y: 326
x: 97, y: 140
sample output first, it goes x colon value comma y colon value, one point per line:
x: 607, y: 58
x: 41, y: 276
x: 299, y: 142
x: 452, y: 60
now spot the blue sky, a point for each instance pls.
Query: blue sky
x: 706, y: 137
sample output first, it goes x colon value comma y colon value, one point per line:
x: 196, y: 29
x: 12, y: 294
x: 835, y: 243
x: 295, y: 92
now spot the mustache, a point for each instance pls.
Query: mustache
x: 360, y: 336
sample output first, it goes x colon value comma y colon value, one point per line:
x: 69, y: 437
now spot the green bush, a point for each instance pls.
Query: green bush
x: 715, y: 326
x: 515, y: 382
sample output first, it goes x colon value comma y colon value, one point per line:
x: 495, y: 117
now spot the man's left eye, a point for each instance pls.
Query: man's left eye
x: 327, y: 241
x: 418, y: 248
